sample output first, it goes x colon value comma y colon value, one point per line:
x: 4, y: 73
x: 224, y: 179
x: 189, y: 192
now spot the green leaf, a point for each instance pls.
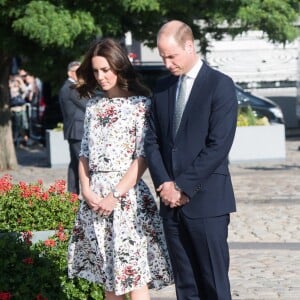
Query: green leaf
x: 47, y: 24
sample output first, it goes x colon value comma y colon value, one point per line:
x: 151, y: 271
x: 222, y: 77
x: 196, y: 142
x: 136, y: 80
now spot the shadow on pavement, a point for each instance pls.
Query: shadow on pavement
x: 35, y: 156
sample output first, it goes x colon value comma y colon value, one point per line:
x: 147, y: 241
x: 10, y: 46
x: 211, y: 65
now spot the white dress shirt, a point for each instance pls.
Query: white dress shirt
x: 191, y: 76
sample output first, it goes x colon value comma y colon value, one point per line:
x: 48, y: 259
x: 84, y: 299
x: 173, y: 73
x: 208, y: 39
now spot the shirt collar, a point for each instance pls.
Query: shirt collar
x: 195, y: 69
x: 72, y: 80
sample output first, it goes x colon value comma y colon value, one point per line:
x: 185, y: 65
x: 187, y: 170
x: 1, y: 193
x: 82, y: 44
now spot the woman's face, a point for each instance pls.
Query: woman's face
x: 104, y: 75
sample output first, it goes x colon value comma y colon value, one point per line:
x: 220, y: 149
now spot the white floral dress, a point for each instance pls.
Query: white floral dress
x: 127, y: 249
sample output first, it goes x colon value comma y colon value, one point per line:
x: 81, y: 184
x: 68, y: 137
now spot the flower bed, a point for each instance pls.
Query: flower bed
x: 38, y: 270
x: 32, y: 207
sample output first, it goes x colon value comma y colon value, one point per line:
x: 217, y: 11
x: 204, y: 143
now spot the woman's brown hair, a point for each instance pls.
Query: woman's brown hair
x: 128, y: 78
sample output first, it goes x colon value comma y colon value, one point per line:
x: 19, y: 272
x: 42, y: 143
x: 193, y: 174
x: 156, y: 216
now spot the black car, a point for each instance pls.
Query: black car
x: 151, y: 73
x: 263, y: 107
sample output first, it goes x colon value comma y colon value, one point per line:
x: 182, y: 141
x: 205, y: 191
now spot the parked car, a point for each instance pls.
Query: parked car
x: 151, y: 73
x: 262, y: 106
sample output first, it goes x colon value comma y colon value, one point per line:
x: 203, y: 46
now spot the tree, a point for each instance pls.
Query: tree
x: 49, y: 34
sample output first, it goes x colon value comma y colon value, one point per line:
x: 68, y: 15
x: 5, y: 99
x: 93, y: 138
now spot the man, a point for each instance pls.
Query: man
x: 187, y: 158
x: 73, y: 111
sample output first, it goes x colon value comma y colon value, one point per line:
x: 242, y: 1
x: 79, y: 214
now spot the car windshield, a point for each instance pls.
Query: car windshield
x: 242, y: 98
x: 246, y: 98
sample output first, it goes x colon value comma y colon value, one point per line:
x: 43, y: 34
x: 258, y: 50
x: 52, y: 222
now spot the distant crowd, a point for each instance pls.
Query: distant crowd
x: 25, y: 94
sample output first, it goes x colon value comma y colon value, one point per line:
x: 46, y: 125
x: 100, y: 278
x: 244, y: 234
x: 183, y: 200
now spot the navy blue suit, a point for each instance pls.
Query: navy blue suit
x: 197, y: 160
x: 73, y: 112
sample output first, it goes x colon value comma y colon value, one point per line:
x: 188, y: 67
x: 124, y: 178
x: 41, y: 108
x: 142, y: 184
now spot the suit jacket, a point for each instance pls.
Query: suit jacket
x: 197, y: 157
x: 73, y: 111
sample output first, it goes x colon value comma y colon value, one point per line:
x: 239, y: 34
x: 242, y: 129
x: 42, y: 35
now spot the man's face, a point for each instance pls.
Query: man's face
x: 72, y: 72
x: 176, y: 57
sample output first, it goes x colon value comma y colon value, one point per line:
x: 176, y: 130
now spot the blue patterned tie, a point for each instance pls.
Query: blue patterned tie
x: 179, y: 104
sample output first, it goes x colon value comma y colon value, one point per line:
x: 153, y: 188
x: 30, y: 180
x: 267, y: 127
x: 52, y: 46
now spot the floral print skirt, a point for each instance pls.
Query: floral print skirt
x: 124, y: 251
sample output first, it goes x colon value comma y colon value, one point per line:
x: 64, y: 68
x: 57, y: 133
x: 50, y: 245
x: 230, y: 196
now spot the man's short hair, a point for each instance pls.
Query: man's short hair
x: 180, y: 31
x: 73, y: 64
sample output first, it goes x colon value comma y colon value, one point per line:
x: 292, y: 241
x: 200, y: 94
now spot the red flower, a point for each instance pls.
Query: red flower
x: 5, y: 184
x: 60, y: 228
x: 25, y: 191
x: 5, y: 295
x: 58, y: 187
x: 74, y: 197
x: 132, y: 55
x: 27, y: 236
x: 61, y: 233
x: 28, y: 261
x: 50, y: 243
x: 61, y: 236
x: 22, y: 184
x: 45, y: 196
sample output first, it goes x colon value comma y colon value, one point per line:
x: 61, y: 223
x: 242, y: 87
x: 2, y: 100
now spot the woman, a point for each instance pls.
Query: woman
x: 118, y: 239
x: 18, y: 108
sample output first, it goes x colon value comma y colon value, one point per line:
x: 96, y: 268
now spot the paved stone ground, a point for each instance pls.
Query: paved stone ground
x: 264, y: 234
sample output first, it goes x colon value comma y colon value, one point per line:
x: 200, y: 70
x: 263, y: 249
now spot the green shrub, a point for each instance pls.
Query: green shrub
x: 248, y: 117
x: 33, y: 207
x: 39, y: 271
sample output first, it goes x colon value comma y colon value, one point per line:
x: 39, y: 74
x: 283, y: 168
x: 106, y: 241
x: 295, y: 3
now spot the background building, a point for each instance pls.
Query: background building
x: 266, y: 68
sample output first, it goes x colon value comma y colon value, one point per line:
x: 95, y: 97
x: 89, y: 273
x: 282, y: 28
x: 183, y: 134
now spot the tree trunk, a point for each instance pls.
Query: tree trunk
x: 8, y: 158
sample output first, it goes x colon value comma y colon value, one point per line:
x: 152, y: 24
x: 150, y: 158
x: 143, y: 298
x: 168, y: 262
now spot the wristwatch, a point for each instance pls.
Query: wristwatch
x: 115, y: 193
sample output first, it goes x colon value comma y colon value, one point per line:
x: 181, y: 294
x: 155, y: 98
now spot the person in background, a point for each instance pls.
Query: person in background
x: 33, y: 95
x: 118, y: 239
x: 73, y: 111
x: 33, y: 86
x: 192, y: 126
x: 20, y: 122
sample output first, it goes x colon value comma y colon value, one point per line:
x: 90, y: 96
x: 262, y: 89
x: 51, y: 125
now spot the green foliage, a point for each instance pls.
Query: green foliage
x: 38, y: 270
x: 64, y: 26
x: 141, y: 5
x: 59, y: 127
x: 32, y: 207
x: 50, y: 25
x: 28, y: 270
x: 48, y: 34
x: 271, y: 16
x: 248, y: 117
x: 31, y: 270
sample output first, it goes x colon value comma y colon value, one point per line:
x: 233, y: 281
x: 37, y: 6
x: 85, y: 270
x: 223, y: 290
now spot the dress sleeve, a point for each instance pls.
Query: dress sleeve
x: 142, y: 113
x: 86, y: 127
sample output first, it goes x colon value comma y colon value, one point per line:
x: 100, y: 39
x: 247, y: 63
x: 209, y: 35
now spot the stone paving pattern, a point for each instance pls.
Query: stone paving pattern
x: 264, y: 234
